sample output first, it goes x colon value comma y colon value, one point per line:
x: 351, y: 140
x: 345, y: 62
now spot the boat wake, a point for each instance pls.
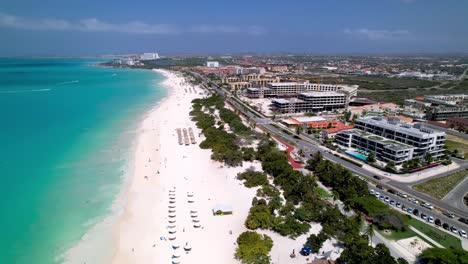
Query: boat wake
x: 26, y: 91
x: 75, y: 81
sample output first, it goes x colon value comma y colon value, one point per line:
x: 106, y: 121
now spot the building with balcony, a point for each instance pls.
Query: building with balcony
x: 423, y: 139
x: 310, y: 102
x: 385, y: 149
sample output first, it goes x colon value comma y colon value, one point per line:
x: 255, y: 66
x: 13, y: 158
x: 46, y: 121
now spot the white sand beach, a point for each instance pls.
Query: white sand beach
x: 161, y: 164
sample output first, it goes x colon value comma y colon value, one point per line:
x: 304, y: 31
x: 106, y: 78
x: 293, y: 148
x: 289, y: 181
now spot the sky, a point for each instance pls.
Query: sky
x: 96, y: 27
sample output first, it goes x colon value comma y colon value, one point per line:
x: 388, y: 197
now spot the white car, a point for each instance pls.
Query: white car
x: 372, y: 192
x: 428, y: 205
x: 430, y: 219
x: 462, y: 233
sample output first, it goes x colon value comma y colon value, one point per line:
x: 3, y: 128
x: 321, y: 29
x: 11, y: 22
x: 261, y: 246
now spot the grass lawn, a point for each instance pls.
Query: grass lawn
x: 439, y: 187
x: 453, y: 143
x: 322, y: 193
x: 446, y: 240
x: 397, y: 235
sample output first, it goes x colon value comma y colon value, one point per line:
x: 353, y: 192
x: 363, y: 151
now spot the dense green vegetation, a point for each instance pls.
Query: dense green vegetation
x: 439, y: 187
x: 444, y: 256
x: 354, y: 193
x: 384, y: 83
x: 224, y: 145
x: 253, y: 248
x: 253, y: 178
x: 402, y: 94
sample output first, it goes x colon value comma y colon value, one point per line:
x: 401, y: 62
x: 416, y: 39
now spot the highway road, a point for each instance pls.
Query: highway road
x: 312, y: 147
x: 455, y: 196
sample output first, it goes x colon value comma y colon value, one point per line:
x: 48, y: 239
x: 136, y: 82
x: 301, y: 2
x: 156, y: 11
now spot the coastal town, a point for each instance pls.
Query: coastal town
x: 249, y: 113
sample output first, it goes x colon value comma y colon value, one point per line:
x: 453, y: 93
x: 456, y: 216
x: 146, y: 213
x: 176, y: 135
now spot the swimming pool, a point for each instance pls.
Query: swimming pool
x: 356, y: 155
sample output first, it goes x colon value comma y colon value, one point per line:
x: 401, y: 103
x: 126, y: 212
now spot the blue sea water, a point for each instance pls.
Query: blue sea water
x: 66, y: 135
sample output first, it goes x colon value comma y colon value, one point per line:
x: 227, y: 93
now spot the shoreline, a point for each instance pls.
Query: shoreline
x: 104, y: 230
x: 142, y: 234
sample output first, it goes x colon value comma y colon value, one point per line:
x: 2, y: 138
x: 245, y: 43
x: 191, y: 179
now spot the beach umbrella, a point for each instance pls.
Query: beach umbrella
x: 172, y: 231
x: 195, y: 220
x: 171, y: 221
x: 172, y: 194
x: 172, y: 237
x: 171, y: 197
x: 190, y: 194
x: 171, y: 191
x: 191, y: 200
x: 172, y: 210
x: 176, y: 255
x: 171, y: 226
x: 196, y: 225
x: 175, y: 261
x: 175, y: 246
x: 172, y: 215
x: 193, y: 211
x: 172, y: 206
x: 194, y: 215
x: 172, y: 201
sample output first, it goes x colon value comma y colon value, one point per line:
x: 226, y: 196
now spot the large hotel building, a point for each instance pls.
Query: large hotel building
x: 311, y: 102
x: 292, y: 89
x: 392, y: 140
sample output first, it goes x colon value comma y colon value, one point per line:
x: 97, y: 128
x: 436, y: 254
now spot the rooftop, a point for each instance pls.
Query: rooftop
x: 390, y: 144
x: 321, y: 94
x: 304, y: 119
x: 395, y: 124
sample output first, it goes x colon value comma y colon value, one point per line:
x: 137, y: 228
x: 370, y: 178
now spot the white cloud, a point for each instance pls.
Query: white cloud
x: 135, y: 27
x: 372, y: 34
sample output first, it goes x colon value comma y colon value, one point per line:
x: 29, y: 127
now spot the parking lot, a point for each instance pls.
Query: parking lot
x: 419, y: 210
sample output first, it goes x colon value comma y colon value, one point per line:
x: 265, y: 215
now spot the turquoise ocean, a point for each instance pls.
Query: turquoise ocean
x: 66, y: 136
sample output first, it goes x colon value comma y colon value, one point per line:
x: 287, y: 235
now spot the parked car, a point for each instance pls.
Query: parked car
x: 392, y: 203
x: 446, y: 226
x: 424, y: 216
x: 430, y: 219
x: 437, y: 222
x: 379, y: 187
x: 454, y: 229
x: 387, y: 199
x: 391, y: 191
x: 410, y: 210
x: 463, y: 220
x: 403, y: 207
x: 377, y: 194
x: 462, y: 233
x: 449, y: 214
x: 398, y: 205
x: 372, y: 191
x: 381, y: 197
x: 411, y: 199
x: 377, y: 177
x: 416, y: 212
